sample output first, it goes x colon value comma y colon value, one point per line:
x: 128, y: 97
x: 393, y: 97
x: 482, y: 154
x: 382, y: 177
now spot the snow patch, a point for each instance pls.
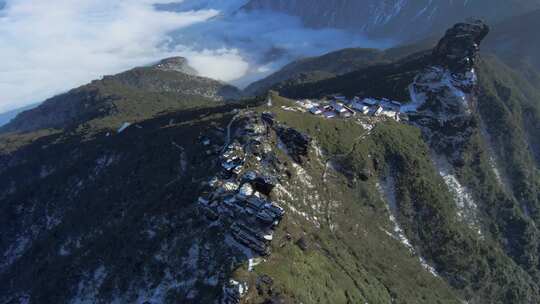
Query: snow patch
x: 388, y: 194
x: 15, y: 250
x: 441, y: 82
x: 303, y: 176
x: 387, y: 191
x: 88, y: 288
x: 466, y: 206
x: 124, y: 126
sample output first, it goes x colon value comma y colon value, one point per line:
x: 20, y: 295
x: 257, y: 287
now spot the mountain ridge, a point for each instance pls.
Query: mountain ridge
x: 171, y: 77
x: 176, y: 206
x: 413, y: 20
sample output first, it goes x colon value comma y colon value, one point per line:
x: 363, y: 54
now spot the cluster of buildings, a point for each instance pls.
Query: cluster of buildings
x: 239, y: 198
x: 340, y: 106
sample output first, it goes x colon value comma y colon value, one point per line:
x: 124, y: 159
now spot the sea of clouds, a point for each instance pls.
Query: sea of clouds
x: 48, y: 47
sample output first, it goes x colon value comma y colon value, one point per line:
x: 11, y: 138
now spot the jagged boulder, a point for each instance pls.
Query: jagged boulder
x: 268, y: 118
x: 297, y: 143
x: 264, y: 184
x: 458, y: 49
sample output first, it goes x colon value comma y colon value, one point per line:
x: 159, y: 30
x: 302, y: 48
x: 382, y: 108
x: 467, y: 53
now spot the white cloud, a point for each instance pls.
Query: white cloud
x: 51, y: 46
x: 222, y: 64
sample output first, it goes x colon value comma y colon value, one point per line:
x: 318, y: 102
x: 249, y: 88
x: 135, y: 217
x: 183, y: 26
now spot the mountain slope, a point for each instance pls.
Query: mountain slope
x: 138, y: 93
x: 330, y: 65
x: 480, y: 150
x: 9, y: 115
x: 124, y: 225
x: 200, y: 201
x: 395, y: 19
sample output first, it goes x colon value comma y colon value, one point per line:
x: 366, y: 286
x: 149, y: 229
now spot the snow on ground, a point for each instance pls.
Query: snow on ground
x: 247, y: 252
x: 366, y: 125
x: 103, y: 162
x: 443, y: 83
x: 285, y: 198
x: 498, y: 176
x: 318, y: 150
x: 306, y: 199
x: 466, y: 206
x: 303, y: 176
x: 387, y: 190
x: 124, y: 126
x: 428, y: 267
x: 88, y: 288
x: 282, y: 193
x: 15, y: 251
x: 252, y: 262
x: 493, y: 160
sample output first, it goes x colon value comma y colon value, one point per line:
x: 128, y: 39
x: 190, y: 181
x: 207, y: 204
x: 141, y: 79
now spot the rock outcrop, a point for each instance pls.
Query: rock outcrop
x: 297, y: 143
x: 458, y: 49
x: 177, y: 64
x: 444, y: 92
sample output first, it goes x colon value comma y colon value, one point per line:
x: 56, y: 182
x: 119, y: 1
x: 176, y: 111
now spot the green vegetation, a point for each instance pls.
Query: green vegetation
x: 126, y: 201
x: 311, y: 70
x: 479, y: 268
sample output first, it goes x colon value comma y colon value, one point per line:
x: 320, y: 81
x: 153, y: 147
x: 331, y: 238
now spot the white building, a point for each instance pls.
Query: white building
x: 315, y: 111
x: 306, y: 104
x: 338, y: 107
x: 360, y: 107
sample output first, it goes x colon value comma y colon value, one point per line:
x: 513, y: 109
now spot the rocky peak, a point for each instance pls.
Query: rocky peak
x: 177, y: 64
x: 446, y: 90
x: 458, y: 49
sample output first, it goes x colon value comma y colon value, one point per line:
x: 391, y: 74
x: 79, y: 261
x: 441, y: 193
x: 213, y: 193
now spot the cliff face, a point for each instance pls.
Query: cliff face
x: 394, y: 19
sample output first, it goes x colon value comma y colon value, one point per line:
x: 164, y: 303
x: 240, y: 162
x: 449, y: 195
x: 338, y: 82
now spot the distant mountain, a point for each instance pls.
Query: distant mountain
x: 517, y: 43
x: 513, y: 40
x: 331, y: 65
x: 7, y: 116
x: 400, y: 20
x: 142, y: 91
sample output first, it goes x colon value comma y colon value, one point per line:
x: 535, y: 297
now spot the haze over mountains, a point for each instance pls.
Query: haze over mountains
x: 401, y: 20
